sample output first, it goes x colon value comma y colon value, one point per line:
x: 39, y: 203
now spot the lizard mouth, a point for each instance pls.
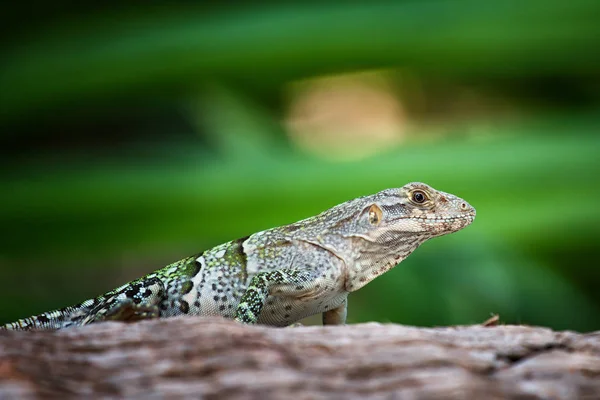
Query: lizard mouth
x: 466, y: 217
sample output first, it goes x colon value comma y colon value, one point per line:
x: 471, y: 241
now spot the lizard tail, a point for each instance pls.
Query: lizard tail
x: 62, y: 318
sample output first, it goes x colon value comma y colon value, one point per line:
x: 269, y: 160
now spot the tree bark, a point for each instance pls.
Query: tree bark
x: 214, y: 358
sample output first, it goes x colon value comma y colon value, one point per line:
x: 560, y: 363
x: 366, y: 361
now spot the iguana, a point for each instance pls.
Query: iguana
x: 281, y: 275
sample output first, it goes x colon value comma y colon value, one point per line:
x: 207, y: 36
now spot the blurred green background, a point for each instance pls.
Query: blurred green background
x: 132, y: 136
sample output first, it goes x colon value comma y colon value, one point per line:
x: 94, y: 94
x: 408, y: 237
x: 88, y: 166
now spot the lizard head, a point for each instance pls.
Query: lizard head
x: 376, y: 232
x: 415, y: 210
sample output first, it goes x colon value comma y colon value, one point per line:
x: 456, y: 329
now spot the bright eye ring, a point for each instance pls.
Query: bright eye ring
x: 418, y: 196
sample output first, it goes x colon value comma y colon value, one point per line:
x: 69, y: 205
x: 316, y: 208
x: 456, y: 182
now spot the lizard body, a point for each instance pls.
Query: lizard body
x: 281, y: 275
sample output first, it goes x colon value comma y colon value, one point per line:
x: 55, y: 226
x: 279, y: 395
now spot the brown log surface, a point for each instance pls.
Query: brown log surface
x: 214, y: 358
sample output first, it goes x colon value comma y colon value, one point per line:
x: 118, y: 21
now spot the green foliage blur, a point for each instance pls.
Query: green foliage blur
x: 132, y: 136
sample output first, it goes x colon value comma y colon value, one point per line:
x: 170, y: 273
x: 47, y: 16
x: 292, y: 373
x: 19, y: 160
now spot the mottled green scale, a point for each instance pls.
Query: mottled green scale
x: 253, y: 301
x: 235, y: 257
x: 221, y: 282
x: 184, y: 268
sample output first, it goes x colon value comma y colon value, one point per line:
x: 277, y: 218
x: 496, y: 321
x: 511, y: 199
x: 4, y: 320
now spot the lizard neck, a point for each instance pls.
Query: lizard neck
x: 374, y: 259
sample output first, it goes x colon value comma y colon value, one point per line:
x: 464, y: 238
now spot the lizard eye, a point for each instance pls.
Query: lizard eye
x: 375, y: 214
x: 418, y: 196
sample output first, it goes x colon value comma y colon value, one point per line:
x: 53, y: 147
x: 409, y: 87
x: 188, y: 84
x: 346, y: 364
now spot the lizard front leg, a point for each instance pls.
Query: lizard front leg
x: 336, y: 316
x: 253, y: 300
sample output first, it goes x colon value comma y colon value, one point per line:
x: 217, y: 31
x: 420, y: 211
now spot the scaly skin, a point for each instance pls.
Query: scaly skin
x: 281, y: 275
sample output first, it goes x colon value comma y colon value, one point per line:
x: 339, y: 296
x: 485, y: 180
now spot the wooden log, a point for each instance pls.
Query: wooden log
x: 214, y: 358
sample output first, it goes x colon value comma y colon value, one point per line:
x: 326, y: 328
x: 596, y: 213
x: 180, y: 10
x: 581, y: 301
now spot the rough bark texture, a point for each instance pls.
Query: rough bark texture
x: 214, y: 358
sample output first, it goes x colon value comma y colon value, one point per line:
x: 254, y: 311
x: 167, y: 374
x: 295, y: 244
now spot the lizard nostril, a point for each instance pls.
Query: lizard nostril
x: 463, y: 206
